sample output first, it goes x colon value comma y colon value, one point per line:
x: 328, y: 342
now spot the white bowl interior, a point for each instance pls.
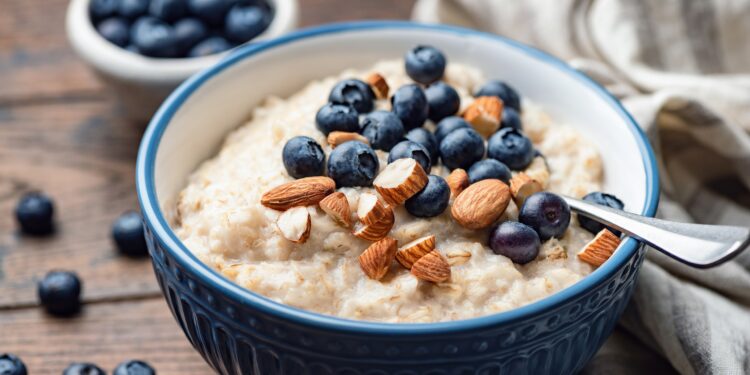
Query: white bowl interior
x: 224, y: 101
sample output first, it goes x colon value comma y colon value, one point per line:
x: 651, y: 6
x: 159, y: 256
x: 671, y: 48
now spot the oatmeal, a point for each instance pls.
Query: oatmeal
x: 220, y: 218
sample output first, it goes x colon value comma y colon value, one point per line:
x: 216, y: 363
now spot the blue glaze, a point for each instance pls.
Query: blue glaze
x: 238, y: 331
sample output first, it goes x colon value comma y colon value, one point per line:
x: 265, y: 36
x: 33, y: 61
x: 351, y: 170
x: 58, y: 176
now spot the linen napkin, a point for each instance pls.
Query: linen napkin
x: 682, y: 68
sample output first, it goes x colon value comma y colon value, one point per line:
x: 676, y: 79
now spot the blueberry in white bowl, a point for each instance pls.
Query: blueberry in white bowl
x: 425, y: 64
x: 154, y: 37
x: 414, y: 150
x: 337, y: 117
x: 245, y: 22
x: 432, y: 200
x: 116, y: 30
x: 210, y: 46
x: 426, y: 139
x: 409, y: 103
x: 443, y: 100
x: 355, y: 93
x: 502, y: 90
x: 511, y: 147
x: 353, y: 164
x: 188, y: 32
x: 448, y: 125
x: 303, y: 157
x: 132, y: 9
x: 489, y: 168
x: 383, y: 129
x: 461, y: 148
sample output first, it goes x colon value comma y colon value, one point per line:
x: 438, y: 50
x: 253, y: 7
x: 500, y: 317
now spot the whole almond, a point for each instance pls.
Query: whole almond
x: 400, y: 180
x: 379, y: 85
x: 522, y: 186
x: 484, y: 114
x: 377, y: 258
x: 294, y: 224
x: 457, y: 181
x: 306, y: 191
x: 414, y: 250
x: 598, y: 250
x: 336, y: 138
x: 432, y: 267
x: 481, y: 204
x: 337, y: 207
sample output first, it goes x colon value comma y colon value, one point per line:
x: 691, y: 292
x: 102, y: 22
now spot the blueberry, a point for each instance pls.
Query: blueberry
x: 128, y: 234
x: 168, y: 10
x: 409, y: 103
x: 547, y: 213
x: 511, y: 147
x: 502, y: 90
x: 188, y: 32
x: 383, y: 129
x: 11, y: 365
x: 515, y: 240
x: 425, y: 64
x: 448, y: 125
x: 211, y: 12
x: 511, y: 119
x: 425, y: 138
x: 353, y: 164
x: 341, y: 117
x: 354, y: 93
x: 34, y: 213
x: 414, y: 150
x: 603, y: 199
x: 134, y: 367
x: 132, y: 48
x: 83, y: 369
x: 132, y: 9
x: 432, y: 200
x: 443, y: 101
x: 489, y: 168
x: 115, y: 30
x: 245, y: 22
x: 154, y: 37
x: 101, y: 9
x: 60, y: 293
x: 210, y: 46
x: 461, y: 148
x: 303, y: 157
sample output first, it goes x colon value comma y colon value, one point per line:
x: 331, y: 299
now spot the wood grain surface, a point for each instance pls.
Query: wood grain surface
x: 60, y: 133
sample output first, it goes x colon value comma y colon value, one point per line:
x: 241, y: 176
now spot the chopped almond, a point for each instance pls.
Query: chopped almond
x: 294, y: 224
x: 598, y: 250
x: 400, y: 180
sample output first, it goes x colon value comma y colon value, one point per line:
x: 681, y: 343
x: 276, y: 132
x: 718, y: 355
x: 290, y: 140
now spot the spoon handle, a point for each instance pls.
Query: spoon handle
x: 697, y: 245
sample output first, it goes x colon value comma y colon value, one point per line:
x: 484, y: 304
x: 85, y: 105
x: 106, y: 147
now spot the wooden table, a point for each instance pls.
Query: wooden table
x: 60, y: 133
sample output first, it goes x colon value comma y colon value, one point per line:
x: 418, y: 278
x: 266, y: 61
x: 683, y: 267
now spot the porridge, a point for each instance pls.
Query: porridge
x: 392, y: 244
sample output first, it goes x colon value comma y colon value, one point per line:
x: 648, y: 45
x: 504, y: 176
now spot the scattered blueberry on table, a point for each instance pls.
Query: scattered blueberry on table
x: 461, y: 148
x: 547, y: 213
x: 353, y: 164
x: 179, y: 28
x: 413, y: 150
x: 603, y: 199
x: 502, y: 90
x: 60, y: 293
x: 134, y: 367
x: 443, y: 100
x: 303, y: 157
x: 517, y: 241
x: 355, y: 93
x: 35, y: 214
x: 383, y: 129
x: 425, y: 64
x: 11, y: 365
x: 489, y: 168
x: 432, y: 200
x: 409, y: 103
x: 128, y: 234
x: 83, y: 369
x: 511, y: 147
x: 337, y: 117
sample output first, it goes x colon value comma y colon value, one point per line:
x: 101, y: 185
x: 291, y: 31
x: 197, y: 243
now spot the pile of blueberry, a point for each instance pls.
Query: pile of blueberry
x: 12, y: 365
x: 179, y: 28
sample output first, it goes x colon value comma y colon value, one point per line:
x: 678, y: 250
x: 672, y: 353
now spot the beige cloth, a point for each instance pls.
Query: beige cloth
x: 682, y: 68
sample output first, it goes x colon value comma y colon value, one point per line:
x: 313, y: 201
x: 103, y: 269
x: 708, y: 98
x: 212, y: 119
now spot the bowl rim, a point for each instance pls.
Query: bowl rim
x: 153, y: 216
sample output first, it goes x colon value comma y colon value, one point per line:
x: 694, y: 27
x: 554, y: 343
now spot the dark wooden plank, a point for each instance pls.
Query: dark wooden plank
x: 105, y: 334
x: 83, y: 156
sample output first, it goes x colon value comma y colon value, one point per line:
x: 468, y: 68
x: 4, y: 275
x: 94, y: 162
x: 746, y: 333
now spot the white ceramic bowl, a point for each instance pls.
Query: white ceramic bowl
x: 141, y: 83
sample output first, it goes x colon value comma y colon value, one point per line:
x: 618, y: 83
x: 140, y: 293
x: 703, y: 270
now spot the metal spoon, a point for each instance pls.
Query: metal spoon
x: 697, y: 245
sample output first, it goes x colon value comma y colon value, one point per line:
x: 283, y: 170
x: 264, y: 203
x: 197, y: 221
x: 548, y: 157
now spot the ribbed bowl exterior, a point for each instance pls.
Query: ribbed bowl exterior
x: 235, y: 338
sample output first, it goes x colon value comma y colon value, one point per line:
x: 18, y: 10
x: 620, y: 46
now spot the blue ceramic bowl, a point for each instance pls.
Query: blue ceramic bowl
x: 240, y: 332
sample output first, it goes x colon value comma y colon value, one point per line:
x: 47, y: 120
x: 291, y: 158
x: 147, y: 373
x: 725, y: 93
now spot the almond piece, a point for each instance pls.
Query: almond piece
x: 371, y: 210
x: 337, y: 207
x: 379, y: 85
x: 457, y: 181
x: 484, y: 114
x: 414, y: 250
x: 377, y: 258
x: 336, y: 138
x: 294, y: 224
x: 306, y: 191
x: 377, y: 230
x: 400, y: 180
x: 598, y: 250
x: 522, y: 186
x: 432, y: 267
x: 481, y: 204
